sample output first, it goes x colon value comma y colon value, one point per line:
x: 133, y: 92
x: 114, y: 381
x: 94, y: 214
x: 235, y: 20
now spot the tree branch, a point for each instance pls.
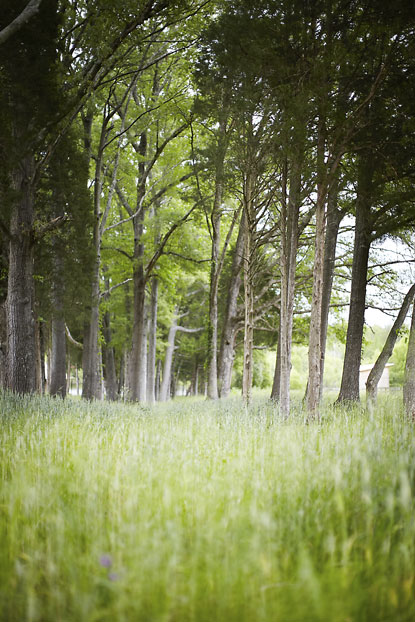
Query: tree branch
x: 111, y: 289
x: 71, y: 339
x: 50, y: 226
x: 31, y: 9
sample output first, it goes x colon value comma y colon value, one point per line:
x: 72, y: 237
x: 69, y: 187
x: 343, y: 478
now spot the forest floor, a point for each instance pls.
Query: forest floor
x: 205, y: 512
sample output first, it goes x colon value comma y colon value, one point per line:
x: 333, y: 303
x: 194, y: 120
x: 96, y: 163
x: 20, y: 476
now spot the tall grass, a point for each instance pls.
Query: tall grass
x: 204, y: 512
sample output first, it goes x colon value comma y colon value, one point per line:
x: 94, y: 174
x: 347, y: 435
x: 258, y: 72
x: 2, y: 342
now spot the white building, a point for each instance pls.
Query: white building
x: 364, y: 374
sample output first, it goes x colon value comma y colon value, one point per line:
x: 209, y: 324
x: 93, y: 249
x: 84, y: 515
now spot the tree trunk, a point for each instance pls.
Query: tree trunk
x: 3, y: 341
x: 314, y: 342
x: 227, y: 349
x: 110, y: 375
x: 58, y: 358
x: 216, y: 265
x: 168, y: 360
x: 58, y: 349
x: 212, y: 392
x: 276, y: 384
x: 152, y: 343
x: 377, y: 370
x: 158, y: 379
x: 20, y: 322
x: 248, y: 291
x: 349, y: 388
x: 409, y: 382
x: 334, y: 218
x: 288, y: 258
x: 138, y: 363
x: 92, y: 371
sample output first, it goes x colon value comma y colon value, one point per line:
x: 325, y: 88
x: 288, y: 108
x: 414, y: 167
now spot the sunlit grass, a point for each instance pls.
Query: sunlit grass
x: 198, y: 511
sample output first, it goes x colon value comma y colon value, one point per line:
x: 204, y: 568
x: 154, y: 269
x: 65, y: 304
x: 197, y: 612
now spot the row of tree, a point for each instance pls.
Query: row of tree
x: 193, y: 168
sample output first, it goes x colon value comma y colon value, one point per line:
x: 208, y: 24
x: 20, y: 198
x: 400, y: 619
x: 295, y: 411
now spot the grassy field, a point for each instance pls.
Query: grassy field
x: 204, y: 512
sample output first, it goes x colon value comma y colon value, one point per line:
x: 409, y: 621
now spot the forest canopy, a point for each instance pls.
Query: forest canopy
x: 187, y: 185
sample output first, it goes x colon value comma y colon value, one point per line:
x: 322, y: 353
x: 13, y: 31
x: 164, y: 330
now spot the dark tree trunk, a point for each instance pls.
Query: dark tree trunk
x: 3, y: 342
x: 409, y: 382
x: 58, y: 348
x: 20, y: 321
x: 349, y: 388
x: 288, y: 259
x: 334, y: 218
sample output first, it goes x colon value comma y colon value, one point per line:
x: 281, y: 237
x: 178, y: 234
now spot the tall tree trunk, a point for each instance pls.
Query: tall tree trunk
x: 227, y: 349
x: 3, y: 343
x: 349, y: 388
x: 334, y: 218
x: 314, y: 349
x: 158, y: 379
x: 314, y: 342
x: 92, y: 371
x: 288, y: 259
x: 216, y: 264
x: 168, y: 361
x: 138, y: 368
x: 212, y: 353
x: 248, y: 290
x: 21, y: 339
x: 58, y: 348
x: 276, y: 384
x: 377, y: 370
x: 152, y: 343
x: 409, y: 382
x: 110, y: 375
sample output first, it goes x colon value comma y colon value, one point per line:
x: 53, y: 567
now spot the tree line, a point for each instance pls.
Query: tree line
x: 183, y: 172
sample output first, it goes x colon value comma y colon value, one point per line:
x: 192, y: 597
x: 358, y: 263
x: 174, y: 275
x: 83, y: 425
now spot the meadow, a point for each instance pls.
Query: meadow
x: 205, y: 512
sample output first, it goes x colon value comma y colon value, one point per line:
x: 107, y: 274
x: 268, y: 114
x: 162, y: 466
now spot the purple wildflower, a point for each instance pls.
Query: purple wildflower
x: 105, y: 560
x: 113, y: 576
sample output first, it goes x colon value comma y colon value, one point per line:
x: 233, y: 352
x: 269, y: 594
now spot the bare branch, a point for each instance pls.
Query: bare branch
x: 111, y: 289
x: 71, y: 339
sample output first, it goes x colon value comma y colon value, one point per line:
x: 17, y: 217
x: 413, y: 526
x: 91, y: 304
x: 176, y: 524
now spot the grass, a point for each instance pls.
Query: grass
x: 204, y: 512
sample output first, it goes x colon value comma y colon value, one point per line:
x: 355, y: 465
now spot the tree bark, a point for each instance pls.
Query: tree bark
x: 377, y: 370
x: 349, y: 388
x: 276, y: 384
x: 152, y: 343
x: 314, y: 347
x: 409, y: 382
x: 227, y: 349
x: 20, y: 321
x: 248, y: 290
x: 288, y: 258
x: 110, y: 375
x: 334, y: 218
x: 58, y: 348
x: 138, y: 369
x: 168, y: 361
x: 216, y: 264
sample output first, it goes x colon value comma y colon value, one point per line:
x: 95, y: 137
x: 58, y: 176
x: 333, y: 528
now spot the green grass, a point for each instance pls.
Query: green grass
x: 204, y: 512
